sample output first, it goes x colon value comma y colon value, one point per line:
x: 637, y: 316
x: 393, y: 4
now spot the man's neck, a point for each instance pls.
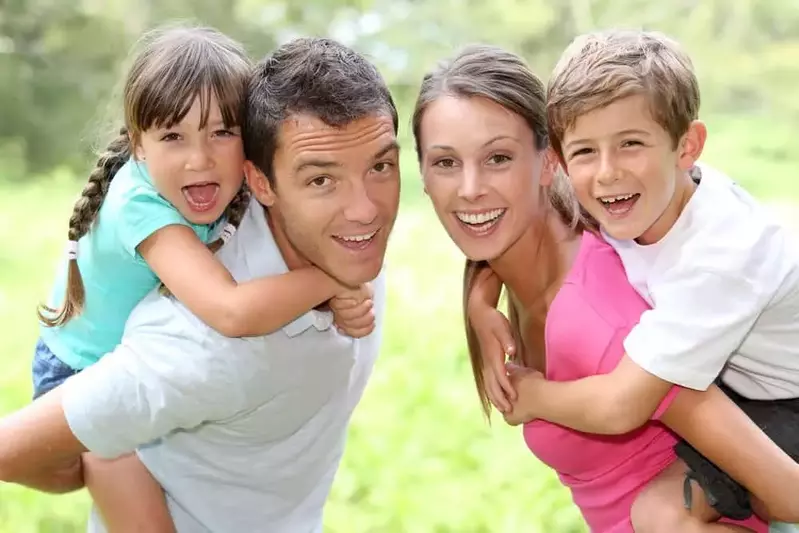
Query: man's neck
x: 290, y: 255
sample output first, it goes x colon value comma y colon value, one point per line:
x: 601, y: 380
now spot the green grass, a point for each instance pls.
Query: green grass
x: 420, y: 457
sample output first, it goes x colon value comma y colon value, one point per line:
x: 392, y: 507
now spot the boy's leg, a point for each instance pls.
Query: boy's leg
x: 779, y: 420
x: 127, y: 497
x: 660, y: 508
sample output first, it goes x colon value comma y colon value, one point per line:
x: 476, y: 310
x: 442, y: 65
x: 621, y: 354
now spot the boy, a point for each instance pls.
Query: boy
x: 720, y: 275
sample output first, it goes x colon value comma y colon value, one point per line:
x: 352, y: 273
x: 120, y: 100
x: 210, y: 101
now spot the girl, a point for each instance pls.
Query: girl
x: 167, y: 185
x: 481, y: 137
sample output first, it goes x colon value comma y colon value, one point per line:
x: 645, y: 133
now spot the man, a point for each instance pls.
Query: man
x: 246, y: 434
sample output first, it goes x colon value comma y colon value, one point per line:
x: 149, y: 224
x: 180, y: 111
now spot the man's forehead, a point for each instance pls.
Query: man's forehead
x: 305, y: 133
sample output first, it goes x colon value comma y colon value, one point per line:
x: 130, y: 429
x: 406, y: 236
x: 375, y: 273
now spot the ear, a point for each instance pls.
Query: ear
x: 691, y: 145
x: 259, y: 184
x: 549, y: 166
x: 138, y: 151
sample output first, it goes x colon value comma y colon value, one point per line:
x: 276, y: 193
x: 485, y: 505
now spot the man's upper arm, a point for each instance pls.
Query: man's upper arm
x: 163, y: 376
x: 700, y: 318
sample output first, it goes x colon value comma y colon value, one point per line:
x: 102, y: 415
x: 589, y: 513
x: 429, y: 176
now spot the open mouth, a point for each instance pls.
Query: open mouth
x: 620, y: 204
x: 356, y: 242
x: 480, y: 223
x: 201, y: 197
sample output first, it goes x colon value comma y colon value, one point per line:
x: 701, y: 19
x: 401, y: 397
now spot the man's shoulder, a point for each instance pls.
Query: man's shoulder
x: 165, y: 316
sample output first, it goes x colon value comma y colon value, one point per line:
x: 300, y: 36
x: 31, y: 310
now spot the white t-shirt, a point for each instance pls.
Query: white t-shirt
x: 724, y: 284
x: 243, y: 434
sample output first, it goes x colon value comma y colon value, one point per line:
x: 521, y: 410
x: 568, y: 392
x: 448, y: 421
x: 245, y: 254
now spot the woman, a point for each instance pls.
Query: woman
x: 480, y: 132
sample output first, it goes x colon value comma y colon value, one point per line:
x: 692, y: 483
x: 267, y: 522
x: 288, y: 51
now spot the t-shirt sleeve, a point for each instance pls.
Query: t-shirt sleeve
x: 143, y: 213
x: 162, y: 377
x: 700, y: 318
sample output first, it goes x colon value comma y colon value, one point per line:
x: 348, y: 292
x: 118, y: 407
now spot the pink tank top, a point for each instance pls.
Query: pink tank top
x: 587, y: 322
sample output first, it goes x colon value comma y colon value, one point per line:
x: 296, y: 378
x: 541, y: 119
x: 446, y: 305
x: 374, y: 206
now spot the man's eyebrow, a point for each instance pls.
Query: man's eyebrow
x: 392, y: 146
x: 316, y: 163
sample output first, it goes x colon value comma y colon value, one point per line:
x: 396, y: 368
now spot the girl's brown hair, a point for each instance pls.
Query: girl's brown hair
x: 504, y: 78
x: 174, y: 67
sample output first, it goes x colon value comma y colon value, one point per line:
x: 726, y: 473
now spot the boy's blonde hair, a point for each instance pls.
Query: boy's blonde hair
x: 600, y: 68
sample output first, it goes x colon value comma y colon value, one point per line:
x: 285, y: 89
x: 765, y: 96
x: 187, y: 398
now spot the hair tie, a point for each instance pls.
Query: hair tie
x: 72, y: 250
x: 227, y: 233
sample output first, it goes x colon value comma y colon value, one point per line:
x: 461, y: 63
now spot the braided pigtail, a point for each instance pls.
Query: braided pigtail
x: 83, y: 216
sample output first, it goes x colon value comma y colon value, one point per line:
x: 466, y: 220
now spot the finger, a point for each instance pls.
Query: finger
x: 505, y: 340
x: 357, y: 333
x: 496, y: 395
x: 360, y: 322
x: 338, y: 303
x: 354, y: 313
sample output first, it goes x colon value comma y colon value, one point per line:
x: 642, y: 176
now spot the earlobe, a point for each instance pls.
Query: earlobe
x: 259, y: 184
x: 693, y: 143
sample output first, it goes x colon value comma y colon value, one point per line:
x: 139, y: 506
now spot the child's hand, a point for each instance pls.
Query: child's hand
x: 352, y: 311
x: 524, y: 381
x: 496, y: 343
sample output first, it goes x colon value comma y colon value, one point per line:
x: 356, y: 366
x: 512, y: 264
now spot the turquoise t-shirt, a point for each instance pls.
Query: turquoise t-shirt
x: 115, y: 276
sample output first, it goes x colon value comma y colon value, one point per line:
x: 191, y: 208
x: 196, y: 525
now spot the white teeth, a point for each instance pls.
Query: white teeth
x: 357, y: 238
x: 611, y: 199
x: 479, y: 218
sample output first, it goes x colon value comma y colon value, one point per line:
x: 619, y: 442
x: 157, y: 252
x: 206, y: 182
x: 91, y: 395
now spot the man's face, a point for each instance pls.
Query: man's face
x: 335, y: 195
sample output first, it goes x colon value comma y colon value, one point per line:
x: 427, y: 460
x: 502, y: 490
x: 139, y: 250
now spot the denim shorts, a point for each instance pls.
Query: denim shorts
x: 48, y: 370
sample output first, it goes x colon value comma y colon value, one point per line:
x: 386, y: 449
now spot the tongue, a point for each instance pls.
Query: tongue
x: 621, y: 206
x: 201, y: 194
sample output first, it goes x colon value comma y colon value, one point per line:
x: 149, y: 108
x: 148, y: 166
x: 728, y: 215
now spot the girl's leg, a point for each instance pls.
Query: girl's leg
x: 660, y: 507
x: 127, y: 497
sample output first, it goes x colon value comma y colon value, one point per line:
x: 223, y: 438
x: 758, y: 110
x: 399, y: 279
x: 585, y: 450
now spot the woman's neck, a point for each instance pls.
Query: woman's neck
x: 536, y: 264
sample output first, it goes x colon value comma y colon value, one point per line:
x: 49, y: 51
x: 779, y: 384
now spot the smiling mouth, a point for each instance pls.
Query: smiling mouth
x: 201, y: 196
x: 356, y: 242
x: 620, y: 204
x: 480, y: 223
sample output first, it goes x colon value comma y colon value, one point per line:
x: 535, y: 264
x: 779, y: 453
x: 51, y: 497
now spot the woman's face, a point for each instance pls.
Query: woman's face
x: 481, y: 171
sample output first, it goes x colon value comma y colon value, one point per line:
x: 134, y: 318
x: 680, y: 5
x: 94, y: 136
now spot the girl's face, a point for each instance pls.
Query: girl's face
x: 198, y: 170
x: 482, y: 172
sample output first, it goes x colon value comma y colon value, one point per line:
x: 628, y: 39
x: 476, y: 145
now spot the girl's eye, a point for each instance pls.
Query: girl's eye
x: 445, y: 163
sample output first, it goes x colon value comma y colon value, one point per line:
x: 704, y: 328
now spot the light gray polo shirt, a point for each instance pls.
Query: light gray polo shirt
x: 244, y: 434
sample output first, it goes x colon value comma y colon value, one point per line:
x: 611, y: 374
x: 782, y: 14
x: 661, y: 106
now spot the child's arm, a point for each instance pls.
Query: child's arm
x: 257, y: 307
x: 605, y: 404
x: 720, y: 431
x: 701, y: 318
x: 493, y: 335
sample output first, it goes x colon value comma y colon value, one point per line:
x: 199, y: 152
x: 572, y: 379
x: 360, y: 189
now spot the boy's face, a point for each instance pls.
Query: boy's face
x: 626, y: 171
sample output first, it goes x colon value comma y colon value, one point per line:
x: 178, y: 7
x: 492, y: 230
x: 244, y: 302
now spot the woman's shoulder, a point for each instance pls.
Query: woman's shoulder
x: 599, y: 280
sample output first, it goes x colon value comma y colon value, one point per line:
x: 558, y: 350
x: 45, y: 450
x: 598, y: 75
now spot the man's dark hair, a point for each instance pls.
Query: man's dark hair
x: 314, y: 76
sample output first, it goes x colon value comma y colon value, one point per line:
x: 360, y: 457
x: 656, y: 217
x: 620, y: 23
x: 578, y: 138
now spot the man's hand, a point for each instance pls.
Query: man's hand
x: 525, y: 381
x: 353, y: 311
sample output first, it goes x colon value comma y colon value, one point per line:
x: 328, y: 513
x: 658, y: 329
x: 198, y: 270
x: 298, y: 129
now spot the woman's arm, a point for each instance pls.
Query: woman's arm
x: 257, y: 307
x: 492, y: 330
x: 719, y: 430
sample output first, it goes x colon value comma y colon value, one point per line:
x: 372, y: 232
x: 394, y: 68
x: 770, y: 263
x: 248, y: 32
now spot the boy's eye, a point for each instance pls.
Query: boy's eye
x: 171, y: 136
x: 224, y: 133
x: 632, y: 142
x: 581, y: 151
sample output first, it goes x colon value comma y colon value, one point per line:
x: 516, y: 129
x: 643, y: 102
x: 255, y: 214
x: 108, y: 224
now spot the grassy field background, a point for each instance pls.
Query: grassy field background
x: 420, y: 457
